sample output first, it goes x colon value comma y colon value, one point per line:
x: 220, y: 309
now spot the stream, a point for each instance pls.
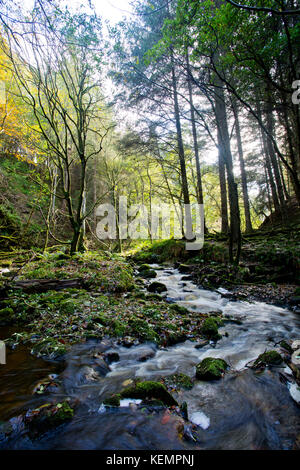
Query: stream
x: 245, y: 410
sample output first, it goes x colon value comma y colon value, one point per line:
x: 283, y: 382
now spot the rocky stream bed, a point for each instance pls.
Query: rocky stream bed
x: 106, y: 394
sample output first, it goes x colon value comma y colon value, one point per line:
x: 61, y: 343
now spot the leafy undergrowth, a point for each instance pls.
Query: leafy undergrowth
x: 95, y: 269
x: 266, y: 257
x: 109, y: 305
x: 55, y: 320
x: 160, y: 251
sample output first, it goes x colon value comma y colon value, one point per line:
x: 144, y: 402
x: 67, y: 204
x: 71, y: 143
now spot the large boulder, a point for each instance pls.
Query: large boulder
x: 148, y: 274
x: 158, y: 287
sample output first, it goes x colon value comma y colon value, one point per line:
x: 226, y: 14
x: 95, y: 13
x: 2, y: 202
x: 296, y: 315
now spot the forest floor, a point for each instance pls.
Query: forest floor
x: 107, y: 296
x: 107, y: 302
x: 51, y: 302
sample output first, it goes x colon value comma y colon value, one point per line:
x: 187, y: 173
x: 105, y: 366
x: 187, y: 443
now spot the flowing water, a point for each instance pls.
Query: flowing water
x: 245, y: 410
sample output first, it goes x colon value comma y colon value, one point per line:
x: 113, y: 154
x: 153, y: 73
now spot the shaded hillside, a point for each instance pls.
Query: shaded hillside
x: 21, y: 223
x: 275, y: 218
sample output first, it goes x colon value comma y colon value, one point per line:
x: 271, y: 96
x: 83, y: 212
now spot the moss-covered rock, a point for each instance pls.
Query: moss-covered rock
x: 175, y: 337
x: 48, y: 416
x: 6, y: 316
x: 209, y: 328
x: 142, y: 329
x: 286, y: 346
x: 148, y: 274
x: 178, y: 381
x: 111, y: 357
x: 144, y: 267
x: 211, y: 368
x: 113, y: 400
x: 150, y: 390
x: 158, y: 287
x: 268, y: 358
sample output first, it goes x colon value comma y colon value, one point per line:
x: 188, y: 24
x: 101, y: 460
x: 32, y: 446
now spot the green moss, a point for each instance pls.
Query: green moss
x: 176, y: 337
x: 118, y: 328
x: 268, y: 358
x: 153, y: 313
x: 209, y: 328
x: 6, y: 312
x: 68, y: 306
x: 6, y: 316
x: 144, y: 267
x: 157, y: 287
x: 47, y: 417
x: 91, y: 268
x: 139, y: 295
x: 211, y: 368
x: 154, y: 297
x: 179, y: 381
x: 179, y: 309
x: 162, y: 250
x: 286, y: 346
x: 113, y: 400
x: 148, y: 274
x: 64, y: 413
x: 142, y: 329
x: 149, y: 390
x: 153, y: 403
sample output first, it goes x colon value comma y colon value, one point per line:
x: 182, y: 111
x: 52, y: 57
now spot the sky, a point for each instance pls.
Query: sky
x: 112, y: 10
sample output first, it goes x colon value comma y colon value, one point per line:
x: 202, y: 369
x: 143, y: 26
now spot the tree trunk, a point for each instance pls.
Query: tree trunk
x: 267, y: 159
x: 242, y: 167
x: 195, y: 140
x: 224, y: 145
x: 184, y: 181
x: 223, y: 194
x: 273, y: 158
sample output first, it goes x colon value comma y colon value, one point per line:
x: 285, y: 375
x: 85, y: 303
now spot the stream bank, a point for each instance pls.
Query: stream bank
x: 246, y: 409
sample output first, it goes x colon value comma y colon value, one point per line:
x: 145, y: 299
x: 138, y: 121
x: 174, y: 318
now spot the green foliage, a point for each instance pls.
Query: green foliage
x: 20, y: 218
x: 94, y: 270
x: 161, y: 251
x: 142, y: 329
